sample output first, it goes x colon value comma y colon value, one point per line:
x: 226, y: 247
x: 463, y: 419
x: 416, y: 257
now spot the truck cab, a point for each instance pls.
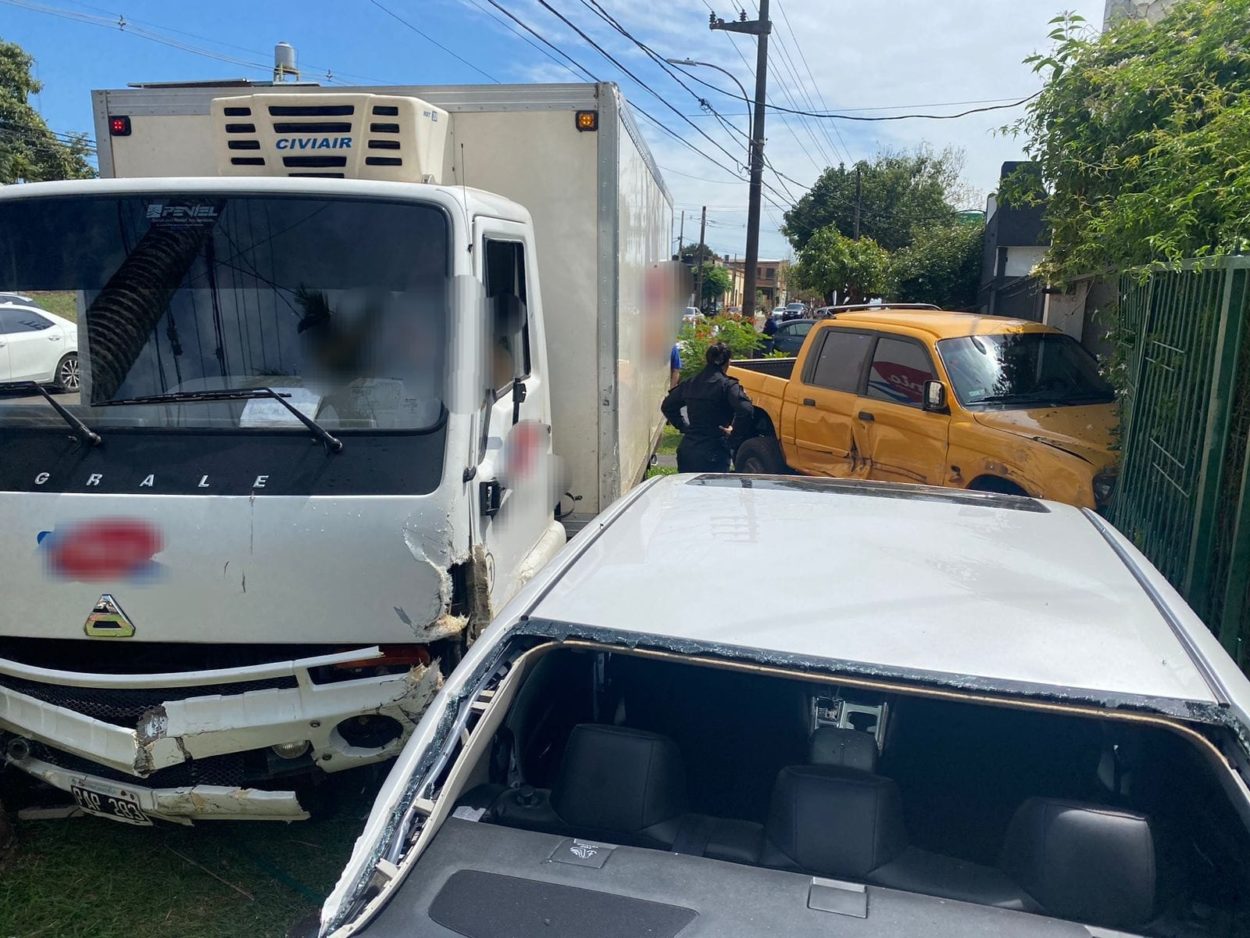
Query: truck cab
x: 311, y: 453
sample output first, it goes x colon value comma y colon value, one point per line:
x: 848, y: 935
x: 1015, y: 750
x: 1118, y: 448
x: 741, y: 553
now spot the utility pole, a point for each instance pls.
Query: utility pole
x: 681, y: 237
x: 760, y: 28
x: 699, y: 259
x: 859, y: 199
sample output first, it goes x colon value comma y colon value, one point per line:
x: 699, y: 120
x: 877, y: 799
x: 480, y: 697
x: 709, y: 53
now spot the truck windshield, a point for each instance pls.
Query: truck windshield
x: 341, y: 305
x: 1029, y: 369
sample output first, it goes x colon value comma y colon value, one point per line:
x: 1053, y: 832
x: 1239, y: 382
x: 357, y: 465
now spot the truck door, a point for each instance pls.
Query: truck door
x: 902, y: 441
x: 824, y: 399
x: 514, y: 507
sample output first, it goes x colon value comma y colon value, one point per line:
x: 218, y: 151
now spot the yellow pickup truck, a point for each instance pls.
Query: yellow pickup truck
x: 936, y: 397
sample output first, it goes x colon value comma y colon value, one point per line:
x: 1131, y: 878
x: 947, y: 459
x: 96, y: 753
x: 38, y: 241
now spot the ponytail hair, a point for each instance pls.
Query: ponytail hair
x: 718, y: 355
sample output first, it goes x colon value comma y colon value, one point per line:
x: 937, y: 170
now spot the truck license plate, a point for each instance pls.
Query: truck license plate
x: 115, y: 806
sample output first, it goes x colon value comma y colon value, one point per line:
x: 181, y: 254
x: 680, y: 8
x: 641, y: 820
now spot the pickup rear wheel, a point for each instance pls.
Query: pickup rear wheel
x: 760, y: 455
x: 995, y: 484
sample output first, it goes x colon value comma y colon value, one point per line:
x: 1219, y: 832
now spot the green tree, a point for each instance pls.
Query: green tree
x: 1142, y: 134
x: 900, y: 192
x: 716, y: 283
x: 695, y: 338
x: 694, y: 254
x: 830, y: 261
x: 28, y: 149
x: 942, y: 266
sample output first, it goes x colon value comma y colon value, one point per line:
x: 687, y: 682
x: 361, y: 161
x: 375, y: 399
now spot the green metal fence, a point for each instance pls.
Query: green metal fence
x: 1184, y: 490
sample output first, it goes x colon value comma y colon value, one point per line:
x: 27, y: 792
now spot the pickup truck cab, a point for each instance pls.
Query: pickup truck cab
x: 929, y: 396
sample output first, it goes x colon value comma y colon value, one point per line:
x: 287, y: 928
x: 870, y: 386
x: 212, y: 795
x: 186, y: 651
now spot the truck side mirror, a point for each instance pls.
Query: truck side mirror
x: 935, y: 396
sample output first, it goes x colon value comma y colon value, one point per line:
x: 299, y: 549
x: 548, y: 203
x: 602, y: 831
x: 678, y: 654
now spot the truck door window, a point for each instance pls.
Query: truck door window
x: 840, y: 362
x: 510, y: 340
x: 898, y: 373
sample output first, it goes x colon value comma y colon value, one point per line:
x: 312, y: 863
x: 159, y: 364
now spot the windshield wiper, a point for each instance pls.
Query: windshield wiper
x: 83, y: 432
x: 333, y: 443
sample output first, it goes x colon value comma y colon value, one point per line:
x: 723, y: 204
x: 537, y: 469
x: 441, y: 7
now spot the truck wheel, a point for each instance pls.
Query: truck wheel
x: 996, y: 484
x: 760, y: 455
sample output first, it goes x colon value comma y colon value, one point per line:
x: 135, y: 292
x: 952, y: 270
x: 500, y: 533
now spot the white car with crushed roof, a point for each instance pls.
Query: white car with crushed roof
x: 963, y: 714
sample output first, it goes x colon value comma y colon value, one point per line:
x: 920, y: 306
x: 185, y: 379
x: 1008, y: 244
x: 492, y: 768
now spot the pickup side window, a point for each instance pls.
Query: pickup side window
x: 840, y: 362
x: 510, y: 341
x: 898, y: 373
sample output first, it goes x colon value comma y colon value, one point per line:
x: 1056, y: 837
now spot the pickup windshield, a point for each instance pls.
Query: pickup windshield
x: 1030, y: 369
x: 340, y: 305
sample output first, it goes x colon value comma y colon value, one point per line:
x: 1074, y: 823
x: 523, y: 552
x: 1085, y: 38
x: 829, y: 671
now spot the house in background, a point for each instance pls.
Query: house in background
x: 770, y: 280
x: 1015, y: 242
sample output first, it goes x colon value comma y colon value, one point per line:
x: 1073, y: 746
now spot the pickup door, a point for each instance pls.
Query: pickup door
x: 901, y: 441
x: 823, y: 399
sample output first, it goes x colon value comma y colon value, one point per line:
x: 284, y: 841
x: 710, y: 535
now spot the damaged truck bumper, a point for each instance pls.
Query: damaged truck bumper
x: 169, y: 756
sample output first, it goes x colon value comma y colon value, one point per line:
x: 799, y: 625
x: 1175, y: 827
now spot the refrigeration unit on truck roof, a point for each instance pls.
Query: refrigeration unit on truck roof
x: 395, y: 138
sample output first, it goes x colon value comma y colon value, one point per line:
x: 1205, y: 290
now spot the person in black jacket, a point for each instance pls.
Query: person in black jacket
x: 712, y: 400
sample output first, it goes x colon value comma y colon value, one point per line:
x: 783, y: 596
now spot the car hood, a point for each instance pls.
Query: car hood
x: 1085, y: 431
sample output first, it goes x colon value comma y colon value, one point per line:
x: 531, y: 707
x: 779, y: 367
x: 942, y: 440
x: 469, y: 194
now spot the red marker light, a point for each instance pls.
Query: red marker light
x: 119, y: 126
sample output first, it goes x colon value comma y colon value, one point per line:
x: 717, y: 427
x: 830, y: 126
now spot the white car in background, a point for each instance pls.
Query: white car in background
x: 36, y: 345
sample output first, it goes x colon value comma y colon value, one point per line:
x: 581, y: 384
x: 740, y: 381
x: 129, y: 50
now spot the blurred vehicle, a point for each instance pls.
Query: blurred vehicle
x: 924, y: 395
x: 778, y: 313
x: 36, y: 345
x: 18, y: 299
x: 978, y: 715
x: 823, y: 312
x: 791, y: 335
x: 796, y: 311
x: 692, y: 314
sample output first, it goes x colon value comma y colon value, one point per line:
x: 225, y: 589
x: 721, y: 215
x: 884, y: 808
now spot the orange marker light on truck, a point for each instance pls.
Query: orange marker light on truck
x: 587, y: 120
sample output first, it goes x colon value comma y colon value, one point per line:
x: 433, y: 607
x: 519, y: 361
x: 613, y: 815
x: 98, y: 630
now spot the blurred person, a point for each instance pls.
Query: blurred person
x: 770, y: 333
x: 703, y: 408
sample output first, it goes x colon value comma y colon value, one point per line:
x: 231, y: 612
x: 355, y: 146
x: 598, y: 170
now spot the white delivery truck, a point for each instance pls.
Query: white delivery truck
x: 348, y: 360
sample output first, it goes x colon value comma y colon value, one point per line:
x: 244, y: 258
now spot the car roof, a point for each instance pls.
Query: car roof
x: 941, y: 324
x: 945, y: 586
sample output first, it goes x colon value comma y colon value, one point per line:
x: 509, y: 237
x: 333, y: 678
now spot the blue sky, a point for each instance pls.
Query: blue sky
x: 827, y: 55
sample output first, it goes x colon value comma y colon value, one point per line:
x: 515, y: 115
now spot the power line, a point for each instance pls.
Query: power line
x: 430, y: 39
x: 121, y: 24
x: 607, y: 55
x: 217, y: 42
x: 495, y: 16
x: 815, y: 84
x: 585, y: 71
x: 591, y: 75
x: 597, y: 8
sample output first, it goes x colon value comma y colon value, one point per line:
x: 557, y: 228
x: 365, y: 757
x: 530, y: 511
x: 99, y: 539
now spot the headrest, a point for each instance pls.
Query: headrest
x: 618, y: 779
x: 1083, y: 861
x: 835, y: 821
x: 836, y: 745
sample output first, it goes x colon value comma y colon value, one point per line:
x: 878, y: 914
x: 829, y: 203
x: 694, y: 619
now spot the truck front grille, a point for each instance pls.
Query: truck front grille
x: 127, y: 707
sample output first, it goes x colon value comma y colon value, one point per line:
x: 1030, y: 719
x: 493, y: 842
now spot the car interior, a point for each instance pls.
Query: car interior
x: 759, y: 786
